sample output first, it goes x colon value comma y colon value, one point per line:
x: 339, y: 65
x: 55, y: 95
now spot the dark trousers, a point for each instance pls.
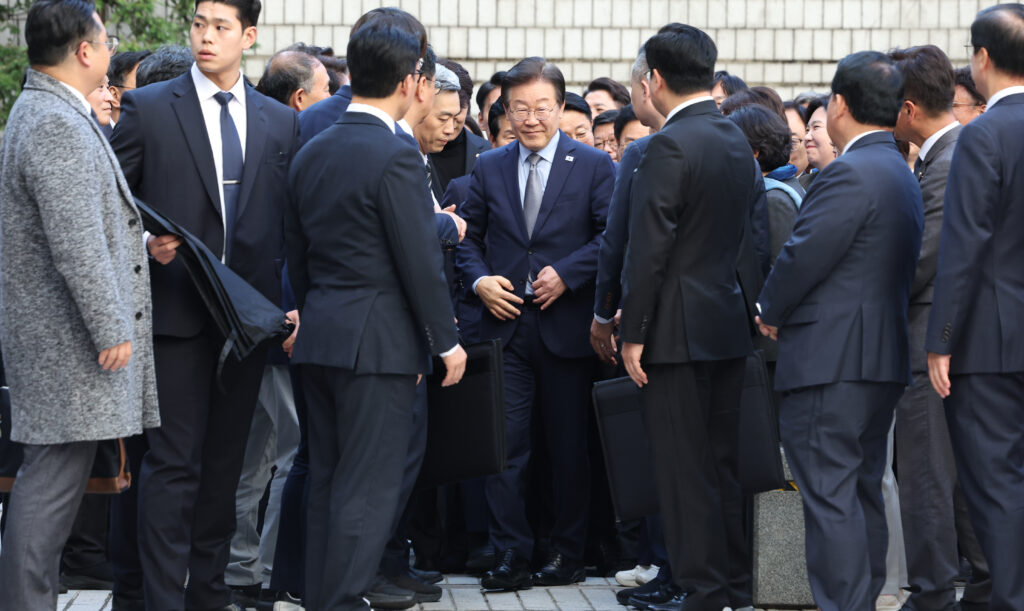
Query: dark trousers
x: 190, y: 473
x: 289, y: 574
x: 557, y: 391
x: 396, y: 552
x: 124, y: 533
x: 85, y: 552
x: 835, y: 437
x: 692, y: 415
x: 987, y: 429
x: 928, y: 488
x: 359, y: 428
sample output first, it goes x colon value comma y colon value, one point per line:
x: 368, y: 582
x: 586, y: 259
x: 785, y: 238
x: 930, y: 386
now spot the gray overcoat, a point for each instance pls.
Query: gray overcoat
x: 74, y: 279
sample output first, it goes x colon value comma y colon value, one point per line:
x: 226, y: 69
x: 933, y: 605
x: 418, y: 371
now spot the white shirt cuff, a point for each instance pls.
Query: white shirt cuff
x: 603, y: 321
x: 476, y: 282
x: 449, y: 352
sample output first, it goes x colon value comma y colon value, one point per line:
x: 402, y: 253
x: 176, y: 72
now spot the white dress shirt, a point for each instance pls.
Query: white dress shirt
x: 930, y: 142
x: 687, y: 103
x: 1002, y: 93
x: 859, y: 136
x: 79, y: 96
x: 205, y: 90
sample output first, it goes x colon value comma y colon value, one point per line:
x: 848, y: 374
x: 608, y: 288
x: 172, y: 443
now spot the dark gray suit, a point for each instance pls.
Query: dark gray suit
x: 931, y: 524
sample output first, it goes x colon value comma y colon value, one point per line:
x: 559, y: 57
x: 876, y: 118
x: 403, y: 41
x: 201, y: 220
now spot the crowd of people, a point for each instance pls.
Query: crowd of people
x: 865, y: 240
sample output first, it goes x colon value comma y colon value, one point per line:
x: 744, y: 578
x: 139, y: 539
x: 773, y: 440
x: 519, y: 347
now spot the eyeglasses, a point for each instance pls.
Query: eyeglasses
x: 520, y: 115
x: 111, y: 43
x: 965, y: 104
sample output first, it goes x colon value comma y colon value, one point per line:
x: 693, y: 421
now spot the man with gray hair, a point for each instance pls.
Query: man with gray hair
x: 295, y: 79
x: 167, y: 62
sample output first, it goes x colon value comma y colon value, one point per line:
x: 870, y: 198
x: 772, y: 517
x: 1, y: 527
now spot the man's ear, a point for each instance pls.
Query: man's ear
x: 248, y: 37
x: 295, y: 100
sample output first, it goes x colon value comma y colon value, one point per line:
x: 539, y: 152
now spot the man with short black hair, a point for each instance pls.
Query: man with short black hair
x: 836, y: 300
x: 604, y: 93
x: 577, y: 122
x: 628, y: 129
x: 604, y: 133
x: 122, y: 72
x: 974, y: 331
x: 296, y: 79
x: 499, y: 127
x: 486, y: 95
x: 968, y: 103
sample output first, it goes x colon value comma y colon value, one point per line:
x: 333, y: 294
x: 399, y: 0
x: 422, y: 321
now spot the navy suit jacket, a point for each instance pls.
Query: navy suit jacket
x: 616, y: 232
x: 978, y: 305
x: 165, y: 153
x: 840, y: 287
x: 570, y: 221
x: 362, y: 256
x: 323, y: 114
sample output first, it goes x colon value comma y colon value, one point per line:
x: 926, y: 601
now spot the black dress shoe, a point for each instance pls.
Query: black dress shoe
x: 660, y: 594
x: 384, y: 595
x: 424, y: 592
x: 81, y: 581
x: 426, y: 576
x: 480, y: 559
x: 624, y: 594
x: 247, y: 597
x: 121, y: 602
x: 512, y: 573
x: 559, y: 571
x: 676, y: 603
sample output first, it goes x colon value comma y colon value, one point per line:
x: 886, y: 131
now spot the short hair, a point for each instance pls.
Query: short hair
x: 872, y: 87
x: 684, y: 56
x: 927, y: 76
x: 446, y: 80
x: 999, y: 30
x: 819, y: 102
x: 574, y: 101
x: 394, y: 17
x: 286, y: 73
x: 465, y: 81
x: 248, y: 10
x: 55, y: 28
x: 313, y: 50
x: 164, y: 64
x: 533, y: 69
x: 962, y: 77
x: 615, y: 89
x: 428, y: 67
x: 487, y: 87
x: 624, y: 118
x: 336, y: 66
x: 122, y: 63
x: 606, y: 117
x: 380, y: 55
x: 795, y: 107
x: 497, y: 111
x: 639, y: 71
x: 767, y: 133
x: 765, y: 96
x: 806, y: 97
x: 731, y: 84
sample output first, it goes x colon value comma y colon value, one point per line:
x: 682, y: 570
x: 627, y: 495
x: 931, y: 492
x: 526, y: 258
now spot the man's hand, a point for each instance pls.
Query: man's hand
x: 461, y: 224
x: 547, y: 287
x: 117, y: 357
x: 767, y: 330
x: 603, y: 341
x: 938, y: 373
x: 631, y: 354
x: 289, y: 344
x: 455, y: 366
x: 497, y: 294
x: 163, y: 248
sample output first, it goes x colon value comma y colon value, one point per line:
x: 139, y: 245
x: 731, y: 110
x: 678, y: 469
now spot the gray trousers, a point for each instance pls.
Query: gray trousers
x: 42, y: 508
x: 273, y: 440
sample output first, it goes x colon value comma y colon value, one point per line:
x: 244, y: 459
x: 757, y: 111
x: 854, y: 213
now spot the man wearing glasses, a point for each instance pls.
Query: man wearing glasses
x: 534, y: 213
x: 122, y: 71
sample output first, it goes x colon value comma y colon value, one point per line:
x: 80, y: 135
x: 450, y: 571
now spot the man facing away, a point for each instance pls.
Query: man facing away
x: 836, y: 299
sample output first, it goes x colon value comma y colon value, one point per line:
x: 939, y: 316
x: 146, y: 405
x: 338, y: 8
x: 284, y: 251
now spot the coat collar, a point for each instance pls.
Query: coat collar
x: 703, y: 107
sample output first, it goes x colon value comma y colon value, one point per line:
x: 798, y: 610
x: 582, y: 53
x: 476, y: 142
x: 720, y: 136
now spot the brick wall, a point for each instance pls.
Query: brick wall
x: 792, y: 45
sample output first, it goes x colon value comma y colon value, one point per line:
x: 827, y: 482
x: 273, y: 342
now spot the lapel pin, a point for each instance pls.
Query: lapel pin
x: 568, y: 158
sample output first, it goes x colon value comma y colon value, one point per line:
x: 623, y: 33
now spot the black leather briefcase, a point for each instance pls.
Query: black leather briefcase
x: 627, y: 448
x: 760, y: 458
x: 466, y: 422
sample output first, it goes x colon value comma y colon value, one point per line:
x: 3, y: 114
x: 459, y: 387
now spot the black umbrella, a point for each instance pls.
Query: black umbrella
x: 243, y: 314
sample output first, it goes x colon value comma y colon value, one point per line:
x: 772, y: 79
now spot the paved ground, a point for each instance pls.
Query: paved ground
x: 462, y: 593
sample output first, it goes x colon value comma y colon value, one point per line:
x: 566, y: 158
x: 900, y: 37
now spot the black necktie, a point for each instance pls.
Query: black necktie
x: 918, y: 167
x: 232, y: 165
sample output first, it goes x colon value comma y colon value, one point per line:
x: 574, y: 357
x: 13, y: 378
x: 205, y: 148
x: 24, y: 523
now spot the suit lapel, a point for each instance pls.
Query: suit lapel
x: 190, y: 117
x: 511, y: 174
x: 255, y: 142
x: 561, y: 166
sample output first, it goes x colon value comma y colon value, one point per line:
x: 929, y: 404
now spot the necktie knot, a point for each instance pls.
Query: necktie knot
x: 534, y: 159
x: 223, y: 97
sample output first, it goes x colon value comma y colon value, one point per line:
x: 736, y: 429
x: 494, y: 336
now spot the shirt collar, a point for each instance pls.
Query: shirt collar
x: 1002, y: 93
x: 859, y: 136
x: 930, y: 142
x: 78, y: 95
x: 687, y: 104
x: 547, y: 153
x: 375, y: 112
x: 206, y: 89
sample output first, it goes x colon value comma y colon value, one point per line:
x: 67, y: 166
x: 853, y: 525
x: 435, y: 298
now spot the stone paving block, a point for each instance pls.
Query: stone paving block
x: 598, y: 581
x: 536, y: 599
x: 602, y: 599
x: 569, y: 598
x: 462, y: 580
x: 445, y: 604
x: 469, y: 599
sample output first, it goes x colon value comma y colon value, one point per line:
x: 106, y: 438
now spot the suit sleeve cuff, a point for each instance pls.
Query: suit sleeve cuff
x: 450, y: 351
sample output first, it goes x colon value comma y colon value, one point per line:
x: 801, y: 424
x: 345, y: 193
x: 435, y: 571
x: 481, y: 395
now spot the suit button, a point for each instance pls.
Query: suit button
x: 132, y: 222
x: 138, y: 268
x: 529, y: 252
x: 138, y: 316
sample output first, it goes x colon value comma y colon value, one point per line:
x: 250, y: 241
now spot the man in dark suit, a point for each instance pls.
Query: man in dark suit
x: 458, y: 156
x: 684, y: 315
x: 535, y: 211
x: 377, y: 261
x: 212, y: 154
x: 974, y: 332
x: 836, y: 299
x: 929, y: 496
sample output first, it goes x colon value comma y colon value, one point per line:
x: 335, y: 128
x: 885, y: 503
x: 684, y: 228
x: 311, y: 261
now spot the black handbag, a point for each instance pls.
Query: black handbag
x: 627, y: 448
x: 110, y: 474
x: 760, y: 456
x: 466, y: 422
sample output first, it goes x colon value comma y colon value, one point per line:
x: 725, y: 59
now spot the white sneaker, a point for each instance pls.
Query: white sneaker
x: 284, y: 605
x: 647, y: 575
x: 888, y: 602
x: 628, y: 578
